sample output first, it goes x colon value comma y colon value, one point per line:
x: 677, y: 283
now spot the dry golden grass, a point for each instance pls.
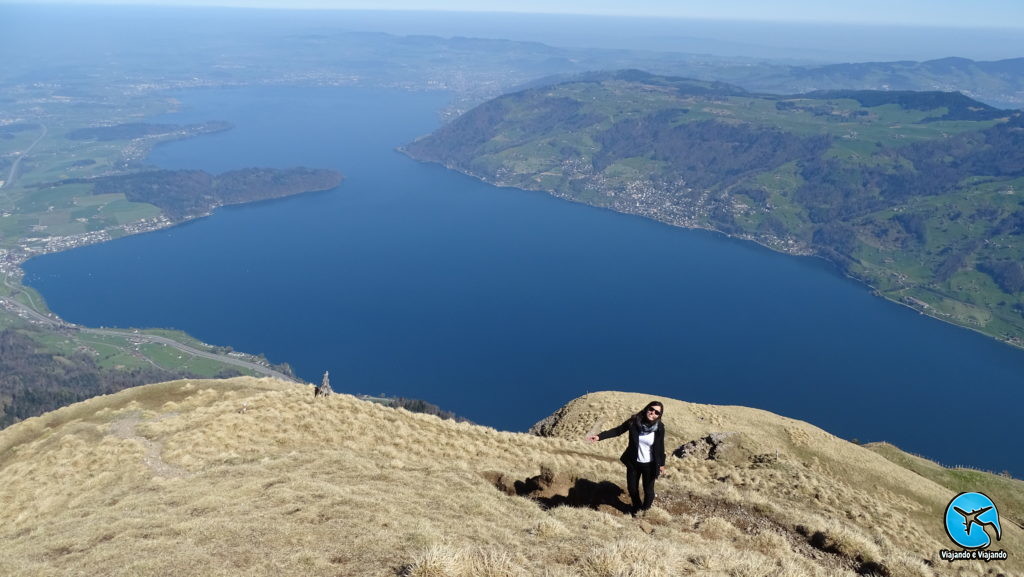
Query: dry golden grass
x: 252, y: 477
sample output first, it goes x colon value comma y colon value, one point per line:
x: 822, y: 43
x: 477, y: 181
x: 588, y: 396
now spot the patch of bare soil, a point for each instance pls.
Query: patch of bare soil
x: 124, y: 428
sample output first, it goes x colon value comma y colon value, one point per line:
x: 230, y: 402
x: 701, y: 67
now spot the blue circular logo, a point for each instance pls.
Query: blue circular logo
x: 969, y: 518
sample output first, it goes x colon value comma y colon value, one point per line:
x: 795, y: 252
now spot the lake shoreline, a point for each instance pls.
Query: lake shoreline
x: 427, y: 284
x: 1018, y: 344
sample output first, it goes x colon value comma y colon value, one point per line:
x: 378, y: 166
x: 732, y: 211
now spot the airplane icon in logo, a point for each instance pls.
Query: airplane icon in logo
x: 966, y: 511
x: 972, y: 519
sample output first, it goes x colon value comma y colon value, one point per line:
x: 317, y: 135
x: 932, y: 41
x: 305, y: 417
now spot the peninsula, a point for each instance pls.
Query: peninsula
x: 913, y: 193
x: 185, y: 194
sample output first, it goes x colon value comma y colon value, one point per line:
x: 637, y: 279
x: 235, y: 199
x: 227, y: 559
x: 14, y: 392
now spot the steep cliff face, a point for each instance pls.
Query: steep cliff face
x: 256, y: 477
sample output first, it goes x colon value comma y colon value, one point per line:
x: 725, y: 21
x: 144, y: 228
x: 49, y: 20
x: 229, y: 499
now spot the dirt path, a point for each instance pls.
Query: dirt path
x: 124, y: 428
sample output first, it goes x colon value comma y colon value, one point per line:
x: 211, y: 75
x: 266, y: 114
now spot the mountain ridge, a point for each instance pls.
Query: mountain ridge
x: 254, y: 476
x: 996, y: 82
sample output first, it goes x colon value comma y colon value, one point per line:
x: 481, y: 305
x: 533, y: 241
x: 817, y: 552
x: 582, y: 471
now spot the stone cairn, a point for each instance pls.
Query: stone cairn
x: 324, y: 388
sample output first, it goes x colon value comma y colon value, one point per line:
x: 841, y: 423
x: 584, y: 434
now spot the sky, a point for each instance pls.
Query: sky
x: 952, y: 13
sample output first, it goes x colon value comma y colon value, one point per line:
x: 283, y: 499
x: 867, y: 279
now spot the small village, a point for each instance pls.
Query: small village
x: 11, y: 259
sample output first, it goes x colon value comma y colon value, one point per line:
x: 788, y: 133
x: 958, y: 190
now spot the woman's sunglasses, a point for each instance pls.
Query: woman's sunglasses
x: 655, y: 411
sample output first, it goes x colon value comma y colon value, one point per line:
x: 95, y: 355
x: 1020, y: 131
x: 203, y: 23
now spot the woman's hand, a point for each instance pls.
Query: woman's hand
x: 593, y: 438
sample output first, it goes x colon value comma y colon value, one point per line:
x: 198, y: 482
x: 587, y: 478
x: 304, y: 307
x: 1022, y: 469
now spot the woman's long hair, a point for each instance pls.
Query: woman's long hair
x: 641, y: 417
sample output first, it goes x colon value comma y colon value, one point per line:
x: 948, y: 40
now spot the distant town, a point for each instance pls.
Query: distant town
x: 12, y: 259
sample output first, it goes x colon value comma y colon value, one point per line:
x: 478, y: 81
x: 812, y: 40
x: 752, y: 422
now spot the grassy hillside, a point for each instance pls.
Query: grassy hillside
x: 1006, y: 491
x: 34, y: 380
x: 914, y: 193
x: 252, y: 477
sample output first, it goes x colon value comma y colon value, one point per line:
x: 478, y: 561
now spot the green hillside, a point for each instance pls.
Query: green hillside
x: 914, y: 193
x: 1003, y: 488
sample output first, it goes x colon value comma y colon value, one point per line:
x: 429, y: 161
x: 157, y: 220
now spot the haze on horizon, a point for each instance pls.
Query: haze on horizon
x: 1006, y: 14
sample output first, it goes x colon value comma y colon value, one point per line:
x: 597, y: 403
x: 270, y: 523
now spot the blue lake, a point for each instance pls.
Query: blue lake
x: 501, y: 305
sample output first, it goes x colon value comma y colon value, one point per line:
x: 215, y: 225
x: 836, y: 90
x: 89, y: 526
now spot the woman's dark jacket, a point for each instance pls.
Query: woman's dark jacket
x: 632, y: 425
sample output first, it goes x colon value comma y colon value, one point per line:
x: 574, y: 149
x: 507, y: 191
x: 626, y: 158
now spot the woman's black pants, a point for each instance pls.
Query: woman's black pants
x: 647, y: 472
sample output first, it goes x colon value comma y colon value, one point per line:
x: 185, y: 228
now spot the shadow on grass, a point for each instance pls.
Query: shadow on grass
x: 558, y: 490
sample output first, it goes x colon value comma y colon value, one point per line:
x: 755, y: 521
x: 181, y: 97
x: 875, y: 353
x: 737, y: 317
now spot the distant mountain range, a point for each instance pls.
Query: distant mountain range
x: 999, y: 83
x: 914, y: 193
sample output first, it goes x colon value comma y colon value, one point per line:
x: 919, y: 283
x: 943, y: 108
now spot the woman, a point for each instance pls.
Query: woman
x: 645, y: 454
